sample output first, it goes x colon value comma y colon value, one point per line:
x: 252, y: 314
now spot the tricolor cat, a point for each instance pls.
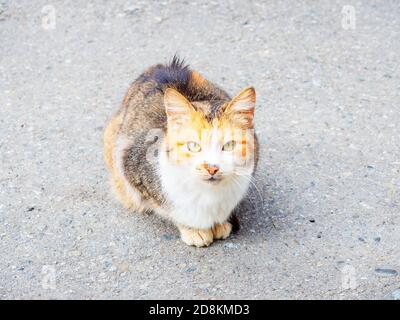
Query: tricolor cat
x: 182, y: 147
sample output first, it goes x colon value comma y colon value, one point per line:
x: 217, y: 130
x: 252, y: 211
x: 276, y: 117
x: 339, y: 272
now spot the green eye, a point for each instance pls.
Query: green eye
x: 229, y: 146
x: 193, y: 146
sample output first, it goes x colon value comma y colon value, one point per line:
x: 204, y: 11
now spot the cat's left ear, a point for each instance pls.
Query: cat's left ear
x: 241, y: 108
x: 177, y: 107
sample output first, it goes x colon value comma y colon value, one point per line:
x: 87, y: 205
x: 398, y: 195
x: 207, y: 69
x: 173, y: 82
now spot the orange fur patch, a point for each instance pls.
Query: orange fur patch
x: 197, y: 79
x: 109, y: 139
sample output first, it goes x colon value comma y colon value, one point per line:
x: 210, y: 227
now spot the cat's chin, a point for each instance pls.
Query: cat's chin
x: 212, y: 181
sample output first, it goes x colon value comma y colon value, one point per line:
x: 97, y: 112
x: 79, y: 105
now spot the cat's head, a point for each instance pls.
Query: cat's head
x: 210, y: 142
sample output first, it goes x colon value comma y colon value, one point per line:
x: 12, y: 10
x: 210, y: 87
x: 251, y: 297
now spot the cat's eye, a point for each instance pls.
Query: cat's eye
x: 229, y: 146
x: 193, y: 146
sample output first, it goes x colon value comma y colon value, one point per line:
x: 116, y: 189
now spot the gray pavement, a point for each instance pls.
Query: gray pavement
x: 324, y: 218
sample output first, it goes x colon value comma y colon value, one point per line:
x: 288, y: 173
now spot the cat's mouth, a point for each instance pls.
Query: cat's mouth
x: 212, y: 180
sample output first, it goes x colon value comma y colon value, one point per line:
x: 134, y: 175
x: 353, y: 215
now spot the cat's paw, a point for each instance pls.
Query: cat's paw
x: 221, y: 230
x: 196, y: 237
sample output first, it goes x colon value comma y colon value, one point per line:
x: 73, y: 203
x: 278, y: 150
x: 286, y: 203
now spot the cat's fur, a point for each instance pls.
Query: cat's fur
x: 146, y: 150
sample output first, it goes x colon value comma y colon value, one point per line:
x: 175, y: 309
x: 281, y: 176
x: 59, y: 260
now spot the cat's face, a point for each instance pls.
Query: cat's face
x: 211, y: 149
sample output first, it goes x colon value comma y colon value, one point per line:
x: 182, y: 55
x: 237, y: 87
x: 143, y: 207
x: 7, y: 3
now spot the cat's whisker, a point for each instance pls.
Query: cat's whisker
x: 250, y: 180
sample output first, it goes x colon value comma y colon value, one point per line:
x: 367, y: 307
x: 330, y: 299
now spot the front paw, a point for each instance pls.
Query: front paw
x: 222, y: 230
x: 196, y: 237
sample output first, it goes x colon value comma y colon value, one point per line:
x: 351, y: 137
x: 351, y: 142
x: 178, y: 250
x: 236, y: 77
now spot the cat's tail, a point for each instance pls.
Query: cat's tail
x: 178, y: 75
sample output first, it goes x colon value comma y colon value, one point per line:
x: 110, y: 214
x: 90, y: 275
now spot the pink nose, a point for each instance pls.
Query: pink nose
x: 212, y: 169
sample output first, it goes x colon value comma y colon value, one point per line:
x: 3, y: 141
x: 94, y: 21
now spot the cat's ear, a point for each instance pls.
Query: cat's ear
x: 241, y: 108
x: 177, y: 107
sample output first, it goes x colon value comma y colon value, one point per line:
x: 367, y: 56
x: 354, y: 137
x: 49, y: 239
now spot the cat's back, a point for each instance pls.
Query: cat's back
x: 143, y: 106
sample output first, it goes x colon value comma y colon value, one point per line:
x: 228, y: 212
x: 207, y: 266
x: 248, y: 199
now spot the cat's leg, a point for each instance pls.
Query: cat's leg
x: 196, y: 237
x: 221, y: 230
x: 204, y: 237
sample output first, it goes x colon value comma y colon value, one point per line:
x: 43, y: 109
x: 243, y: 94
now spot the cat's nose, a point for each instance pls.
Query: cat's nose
x: 212, y: 169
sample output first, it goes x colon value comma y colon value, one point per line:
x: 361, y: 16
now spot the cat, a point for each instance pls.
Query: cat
x: 182, y: 147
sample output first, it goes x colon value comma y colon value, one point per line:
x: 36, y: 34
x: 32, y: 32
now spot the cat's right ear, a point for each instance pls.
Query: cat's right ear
x: 177, y: 107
